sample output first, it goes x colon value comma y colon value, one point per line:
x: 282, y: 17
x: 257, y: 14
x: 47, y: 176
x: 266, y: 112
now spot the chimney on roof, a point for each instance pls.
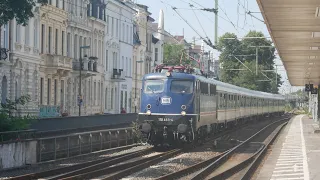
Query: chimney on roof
x: 161, y: 25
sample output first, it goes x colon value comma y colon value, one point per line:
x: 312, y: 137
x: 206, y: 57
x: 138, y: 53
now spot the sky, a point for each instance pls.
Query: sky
x: 232, y: 18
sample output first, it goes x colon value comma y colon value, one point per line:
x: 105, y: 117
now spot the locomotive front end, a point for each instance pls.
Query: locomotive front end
x: 167, y: 108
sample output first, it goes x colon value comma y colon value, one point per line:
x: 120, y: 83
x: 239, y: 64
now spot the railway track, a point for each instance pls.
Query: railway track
x: 233, y: 162
x: 123, y: 165
x: 91, y: 165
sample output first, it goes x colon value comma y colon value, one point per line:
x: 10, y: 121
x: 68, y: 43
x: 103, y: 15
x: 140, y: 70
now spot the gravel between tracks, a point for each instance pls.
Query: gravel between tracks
x: 197, y: 155
x: 66, y: 162
x: 172, y: 165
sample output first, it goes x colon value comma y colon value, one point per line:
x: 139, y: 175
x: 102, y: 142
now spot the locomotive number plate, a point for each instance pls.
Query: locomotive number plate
x: 166, y: 100
x: 165, y: 119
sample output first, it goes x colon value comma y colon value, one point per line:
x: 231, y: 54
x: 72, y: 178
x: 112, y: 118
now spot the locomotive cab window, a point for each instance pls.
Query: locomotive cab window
x: 181, y: 86
x: 154, y: 86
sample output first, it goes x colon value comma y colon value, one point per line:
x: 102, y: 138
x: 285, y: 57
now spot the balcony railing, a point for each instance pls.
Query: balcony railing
x: 56, y: 61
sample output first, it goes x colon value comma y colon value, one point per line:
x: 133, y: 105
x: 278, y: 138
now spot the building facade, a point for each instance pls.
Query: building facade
x: 80, y: 57
x: 85, y: 38
x: 119, y: 57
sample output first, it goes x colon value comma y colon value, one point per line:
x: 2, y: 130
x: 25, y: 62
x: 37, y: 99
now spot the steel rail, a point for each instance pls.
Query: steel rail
x: 142, y: 166
x: 257, y: 160
x: 206, y: 171
x: 197, y: 166
x: 91, y: 165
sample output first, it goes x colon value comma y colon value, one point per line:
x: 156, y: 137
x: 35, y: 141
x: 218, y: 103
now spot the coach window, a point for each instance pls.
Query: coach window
x: 153, y: 86
x: 204, y: 88
x: 220, y: 101
x: 184, y: 87
x: 213, y: 89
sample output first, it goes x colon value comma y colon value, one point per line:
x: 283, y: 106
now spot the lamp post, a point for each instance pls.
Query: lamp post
x: 135, y: 87
x: 80, y: 60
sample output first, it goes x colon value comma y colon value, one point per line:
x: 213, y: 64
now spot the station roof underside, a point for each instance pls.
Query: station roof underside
x: 294, y: 26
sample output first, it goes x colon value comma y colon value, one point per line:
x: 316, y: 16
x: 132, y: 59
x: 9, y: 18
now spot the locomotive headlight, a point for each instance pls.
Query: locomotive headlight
x: 146, y: 127
x: 183, y: 113
x: 148, y: 112
x: 168, y: 73
x: 183, y: 107
x: 149, y: 106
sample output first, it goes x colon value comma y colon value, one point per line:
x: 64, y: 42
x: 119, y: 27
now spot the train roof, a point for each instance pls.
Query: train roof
x: 175, y: 75
x: 221, y: 86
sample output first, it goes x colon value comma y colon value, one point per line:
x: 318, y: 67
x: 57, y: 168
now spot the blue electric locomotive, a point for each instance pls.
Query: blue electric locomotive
x: 168, y: 106
x: 183, y: 107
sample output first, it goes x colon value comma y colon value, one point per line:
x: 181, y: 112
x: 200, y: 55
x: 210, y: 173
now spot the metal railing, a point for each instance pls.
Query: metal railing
x: 58, y: 147
x: 17, y: 135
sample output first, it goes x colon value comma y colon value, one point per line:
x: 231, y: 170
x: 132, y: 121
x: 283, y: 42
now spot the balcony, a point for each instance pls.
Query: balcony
x: 56, y: 64
x: 89, y: 67
x: 118, y: 75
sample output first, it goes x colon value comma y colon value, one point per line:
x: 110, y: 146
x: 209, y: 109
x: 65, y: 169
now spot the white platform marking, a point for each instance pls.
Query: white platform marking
x: 292, y: 162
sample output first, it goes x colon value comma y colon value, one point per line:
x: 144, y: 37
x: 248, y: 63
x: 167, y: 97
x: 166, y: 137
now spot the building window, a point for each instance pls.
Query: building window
x: 99, y: 50
x: 123, y: 30
x: 107, y: 59
x: 55, y: 92
x: 75, y: 55
x: 131, y: 36
x: 48, y: 91
x: 43, y: 33
x: 117, y: 28
x: 111, y: 101
x: 126, y: 66
x: 108, y: 24
x: 56, y: 42
x: 63, y: 5
x: 112, y: 26
x: 18, y: 33
x: 62, y: 43
x: 126, y: 100
x: 27, y: 35
x: 95, y: 93
x: 98, y: 96
x: 68, y: 45
x: 156, y: 54
x: 121, y: 99
x: 41, y: 91
x: 57, y: 3
x: 35, y: 36
x: 130, y: 68
x: 49, y: 39
x: 114, y: 60
x: 127, y: 37
x: 4, y: 89
x: 34, y: 85
x: 122, y: 63
x: 106, y: 99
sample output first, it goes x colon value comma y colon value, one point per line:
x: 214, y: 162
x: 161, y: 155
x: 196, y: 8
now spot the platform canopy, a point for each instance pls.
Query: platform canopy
x: 294, y: 26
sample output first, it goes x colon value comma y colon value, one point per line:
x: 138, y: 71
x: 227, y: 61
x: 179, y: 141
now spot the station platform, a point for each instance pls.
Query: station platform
x: 295, y: 153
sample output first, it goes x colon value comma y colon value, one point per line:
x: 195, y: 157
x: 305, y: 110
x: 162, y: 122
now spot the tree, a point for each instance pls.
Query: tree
x: 9, y: 122
x: 22, y: 10
x: 173, y: 53
x: 239, y: 55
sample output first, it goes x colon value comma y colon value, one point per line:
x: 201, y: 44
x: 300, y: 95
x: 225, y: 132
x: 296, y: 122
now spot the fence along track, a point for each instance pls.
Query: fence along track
x: 92, y: 165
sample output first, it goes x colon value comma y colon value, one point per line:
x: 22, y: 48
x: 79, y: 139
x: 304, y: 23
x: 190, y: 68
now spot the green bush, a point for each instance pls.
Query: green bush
x: 9, y: 122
